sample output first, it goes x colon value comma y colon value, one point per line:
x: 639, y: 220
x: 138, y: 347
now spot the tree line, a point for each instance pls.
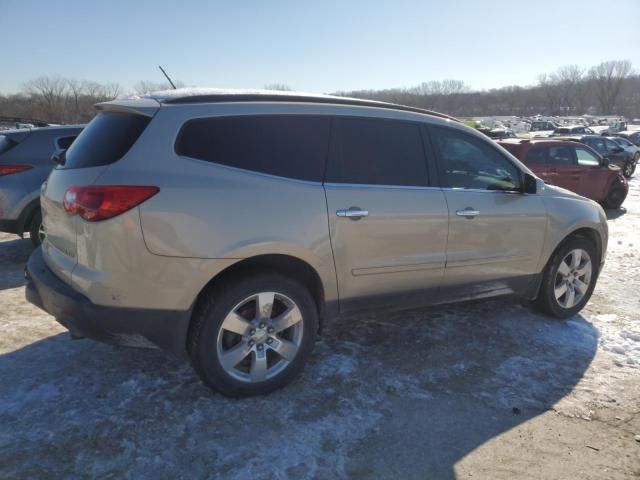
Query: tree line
x: 611, y: 87
x: 65, y: 100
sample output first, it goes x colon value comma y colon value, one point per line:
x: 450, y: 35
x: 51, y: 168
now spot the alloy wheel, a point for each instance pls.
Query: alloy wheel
x: 573, y: 278
x: 260, y: 337
x: 41, y: 232
x: 628, y: 169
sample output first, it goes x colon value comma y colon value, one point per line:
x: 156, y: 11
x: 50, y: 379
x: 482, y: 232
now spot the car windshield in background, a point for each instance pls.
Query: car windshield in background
x: 623, y: 142
x: 106, y: 139
x: 6, y: 144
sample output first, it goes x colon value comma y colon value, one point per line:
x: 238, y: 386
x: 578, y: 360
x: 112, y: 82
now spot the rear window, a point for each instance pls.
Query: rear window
x: 106, y: 139
x: 6, y: 144
x: 292, y: 146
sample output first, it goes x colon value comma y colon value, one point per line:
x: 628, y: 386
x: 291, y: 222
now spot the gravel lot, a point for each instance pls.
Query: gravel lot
x: 476, y: 390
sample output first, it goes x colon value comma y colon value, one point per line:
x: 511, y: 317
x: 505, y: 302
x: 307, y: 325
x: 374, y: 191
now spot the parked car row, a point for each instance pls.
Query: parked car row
x: 25, y: 162
x: 229, y: 227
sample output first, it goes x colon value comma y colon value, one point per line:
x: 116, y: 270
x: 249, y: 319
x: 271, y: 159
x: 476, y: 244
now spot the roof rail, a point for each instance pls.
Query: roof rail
x: 218, y: 98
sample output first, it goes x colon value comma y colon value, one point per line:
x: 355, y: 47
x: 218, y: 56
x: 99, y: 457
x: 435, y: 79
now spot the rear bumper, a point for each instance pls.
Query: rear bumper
x: 133, y: 327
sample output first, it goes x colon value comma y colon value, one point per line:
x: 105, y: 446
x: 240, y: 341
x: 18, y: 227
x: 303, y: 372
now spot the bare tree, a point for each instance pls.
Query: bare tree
x: 50, y: 93
x: 277, y: 86
x: 608, y: 78
x: 145, y: 87
x: 76, y: 88
x: 567, y: 79
x: 548, y: 85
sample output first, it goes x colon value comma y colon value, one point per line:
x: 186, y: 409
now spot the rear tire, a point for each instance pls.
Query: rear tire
x: 615, y: 197
x: 36, y: 231
x: 567, y: 285
x: 254, y: 335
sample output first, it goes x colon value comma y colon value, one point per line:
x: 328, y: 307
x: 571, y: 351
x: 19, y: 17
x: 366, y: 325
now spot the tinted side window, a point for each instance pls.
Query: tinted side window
x: 537, y: 156
x: 378, y: 152
x: 293, y: 146
x: 560, y: 156
x: 467, y: 162
x: 65, y: 142
x: 106, y: 139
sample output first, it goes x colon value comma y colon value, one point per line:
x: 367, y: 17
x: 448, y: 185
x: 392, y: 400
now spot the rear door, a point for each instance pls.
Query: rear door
x: 388, y: 226
x: 104, y: 141
x: 496, y: 232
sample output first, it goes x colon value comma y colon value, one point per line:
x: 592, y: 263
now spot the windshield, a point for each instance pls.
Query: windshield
x: 623, y: 142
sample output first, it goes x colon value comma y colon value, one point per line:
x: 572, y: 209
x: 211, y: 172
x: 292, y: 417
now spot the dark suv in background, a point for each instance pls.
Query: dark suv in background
x: 25, y: 163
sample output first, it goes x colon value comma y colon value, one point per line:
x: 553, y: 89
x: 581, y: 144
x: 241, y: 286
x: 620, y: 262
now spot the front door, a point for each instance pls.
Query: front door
x: 593, y: 175
x: 496, y: 233
x: 388, y: 227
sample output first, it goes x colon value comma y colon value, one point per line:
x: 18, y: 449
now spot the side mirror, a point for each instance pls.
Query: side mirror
x: 617, y: 150
x: 59, y: 156
x: 529, y: 183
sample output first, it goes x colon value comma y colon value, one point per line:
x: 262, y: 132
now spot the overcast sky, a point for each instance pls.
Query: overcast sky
x: 319, y: 46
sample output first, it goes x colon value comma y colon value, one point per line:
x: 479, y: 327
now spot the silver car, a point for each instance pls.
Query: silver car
x: 230, y: 227
x: 25, y: 162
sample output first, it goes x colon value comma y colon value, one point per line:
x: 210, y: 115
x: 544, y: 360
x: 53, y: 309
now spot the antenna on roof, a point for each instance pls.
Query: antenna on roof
x: 167, y: 76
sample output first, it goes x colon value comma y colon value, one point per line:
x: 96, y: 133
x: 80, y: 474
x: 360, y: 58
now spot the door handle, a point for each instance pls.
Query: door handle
x: 468, y: 213
x: 354, y: 213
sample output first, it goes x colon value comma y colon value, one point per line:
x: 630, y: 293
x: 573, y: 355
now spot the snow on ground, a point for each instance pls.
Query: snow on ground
x: 488, y: 389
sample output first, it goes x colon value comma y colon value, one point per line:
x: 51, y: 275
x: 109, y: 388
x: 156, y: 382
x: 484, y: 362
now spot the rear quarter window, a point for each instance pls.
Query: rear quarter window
x: 292, y: 146
x: 64, y: 143
x: 105, y: 140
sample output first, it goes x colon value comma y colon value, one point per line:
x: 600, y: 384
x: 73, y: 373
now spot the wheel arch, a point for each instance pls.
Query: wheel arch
x: 283, y: 264
x: 590, y: 234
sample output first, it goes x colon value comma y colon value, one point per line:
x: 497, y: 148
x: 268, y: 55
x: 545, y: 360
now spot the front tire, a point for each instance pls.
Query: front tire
x: 569, y: 279
x: 615, y: 197
x: 629, y: 168
x: 254, y: 336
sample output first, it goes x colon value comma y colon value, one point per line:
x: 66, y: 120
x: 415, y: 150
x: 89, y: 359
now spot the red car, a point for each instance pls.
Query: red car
x: 573, y: 166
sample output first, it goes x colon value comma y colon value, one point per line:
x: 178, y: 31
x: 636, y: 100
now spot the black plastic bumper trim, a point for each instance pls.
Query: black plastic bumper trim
x: 135, y: 327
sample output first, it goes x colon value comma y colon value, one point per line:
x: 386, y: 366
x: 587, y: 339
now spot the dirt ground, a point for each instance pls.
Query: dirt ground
x: 483, y: 390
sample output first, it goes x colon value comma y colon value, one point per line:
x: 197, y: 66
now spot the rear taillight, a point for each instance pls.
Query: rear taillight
x: 95, y: 203
x: 9, y: 169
